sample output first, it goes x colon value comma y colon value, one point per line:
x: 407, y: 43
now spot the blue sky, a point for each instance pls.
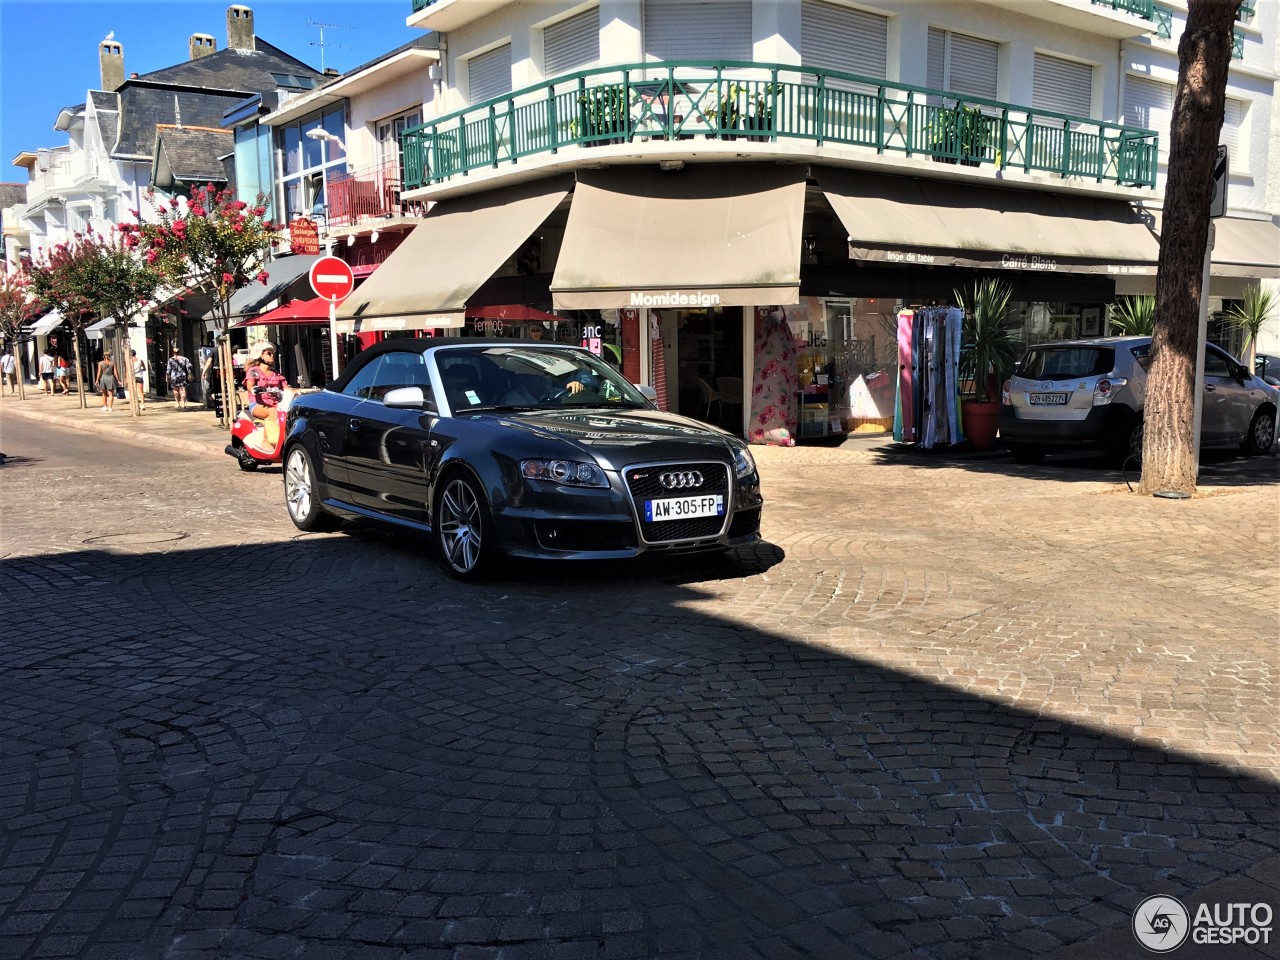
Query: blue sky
x: 49, y: 48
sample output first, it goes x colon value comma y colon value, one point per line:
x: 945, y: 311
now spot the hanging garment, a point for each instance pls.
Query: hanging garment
x: 659, y: 356
x: 774, y: 381
x: 955, y: 330
x: 903, y: 405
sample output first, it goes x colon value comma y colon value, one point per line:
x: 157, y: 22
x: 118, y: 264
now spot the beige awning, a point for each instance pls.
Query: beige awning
x: 703, y: 236
x: 458, y: 246
x: 1242, y: 248
x: 932, y: 222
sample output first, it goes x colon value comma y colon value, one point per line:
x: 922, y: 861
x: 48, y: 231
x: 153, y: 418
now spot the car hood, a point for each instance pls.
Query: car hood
x: 616, y: 438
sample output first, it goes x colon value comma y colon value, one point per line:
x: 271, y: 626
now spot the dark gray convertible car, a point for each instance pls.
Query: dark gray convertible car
x: 510, y: 447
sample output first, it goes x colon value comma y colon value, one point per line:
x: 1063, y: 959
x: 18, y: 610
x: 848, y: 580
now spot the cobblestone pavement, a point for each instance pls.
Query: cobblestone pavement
x: 949, y: 709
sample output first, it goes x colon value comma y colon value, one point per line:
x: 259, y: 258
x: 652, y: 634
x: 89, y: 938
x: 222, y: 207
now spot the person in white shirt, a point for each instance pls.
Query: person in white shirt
x: 8, y: 371
x: 47, y: 366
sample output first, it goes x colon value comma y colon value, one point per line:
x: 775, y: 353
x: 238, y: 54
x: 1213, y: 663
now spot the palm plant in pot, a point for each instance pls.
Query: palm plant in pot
x: 989, y: 346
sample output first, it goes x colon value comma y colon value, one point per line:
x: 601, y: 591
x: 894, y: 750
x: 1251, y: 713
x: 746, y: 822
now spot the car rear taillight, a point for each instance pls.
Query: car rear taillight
x: 1006, y: 395
x: 1105, y: 390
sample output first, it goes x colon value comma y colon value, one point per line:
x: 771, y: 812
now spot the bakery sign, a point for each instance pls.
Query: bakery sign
x: 304, y: 237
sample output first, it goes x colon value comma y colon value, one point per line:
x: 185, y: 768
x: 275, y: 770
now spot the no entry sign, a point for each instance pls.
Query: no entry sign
x: 332, y: 279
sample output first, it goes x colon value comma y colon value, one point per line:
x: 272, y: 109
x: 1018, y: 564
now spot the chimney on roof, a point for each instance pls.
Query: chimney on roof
x: 111, y: 64
x: 240, y: 28
x: 331, y: 72
x: 202, y: 45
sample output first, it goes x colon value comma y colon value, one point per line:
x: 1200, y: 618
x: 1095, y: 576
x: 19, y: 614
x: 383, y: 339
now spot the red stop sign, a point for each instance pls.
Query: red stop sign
x: 332, y: 279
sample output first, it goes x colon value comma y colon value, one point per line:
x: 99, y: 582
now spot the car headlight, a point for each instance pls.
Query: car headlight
x: 567, y: 472
x: 743, y: 463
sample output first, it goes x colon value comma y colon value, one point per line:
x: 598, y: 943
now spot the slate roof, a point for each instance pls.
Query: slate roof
x: 12, y: 194
x: 191, y: 154
x: 106, y: 115
x: 206, y: 89
x: 102, y: 100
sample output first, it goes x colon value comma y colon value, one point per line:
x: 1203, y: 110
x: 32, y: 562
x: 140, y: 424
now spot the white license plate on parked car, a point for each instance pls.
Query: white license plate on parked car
x: 682, y: 508
x: 1047, y: 399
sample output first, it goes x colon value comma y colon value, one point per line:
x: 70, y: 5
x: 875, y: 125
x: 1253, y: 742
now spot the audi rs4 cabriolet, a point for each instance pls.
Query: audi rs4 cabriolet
x: 502, y: 447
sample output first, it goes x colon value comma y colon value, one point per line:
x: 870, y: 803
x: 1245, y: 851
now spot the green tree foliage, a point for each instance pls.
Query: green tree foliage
x: 1250, y: 316
x: 989, y: 342
x: 1134, y: 316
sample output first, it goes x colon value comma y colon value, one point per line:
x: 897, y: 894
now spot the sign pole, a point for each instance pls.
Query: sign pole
x: 1217, y: 208
x: 333, y: 336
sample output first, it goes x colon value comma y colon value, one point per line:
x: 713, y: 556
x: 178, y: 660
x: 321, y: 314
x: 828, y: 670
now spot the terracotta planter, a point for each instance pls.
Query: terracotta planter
x: 981, y: 420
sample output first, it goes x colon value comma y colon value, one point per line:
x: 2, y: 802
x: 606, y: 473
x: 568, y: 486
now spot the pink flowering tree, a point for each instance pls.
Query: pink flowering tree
x: 215, y: 245
x: 102, y: 275
x: 16, y: 304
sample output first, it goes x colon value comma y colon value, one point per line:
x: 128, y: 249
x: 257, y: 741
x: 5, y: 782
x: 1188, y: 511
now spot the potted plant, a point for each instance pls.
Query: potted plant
x: 1250, y: 316
x: 729, y: 113
x: 988, y: 349
x: 602, y: 115
x: 760, y: 116
x: 961, y: 134
x: 1133, y: 316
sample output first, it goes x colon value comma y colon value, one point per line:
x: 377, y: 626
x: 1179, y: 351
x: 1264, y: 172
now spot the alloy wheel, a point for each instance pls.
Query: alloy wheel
x: 1264, y: 426
x: 460, y: 528
x: 297, y: 485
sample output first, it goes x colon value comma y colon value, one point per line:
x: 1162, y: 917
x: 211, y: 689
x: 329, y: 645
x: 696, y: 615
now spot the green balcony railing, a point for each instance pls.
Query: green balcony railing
x: 1142, y: 8
x: 1237, y: 46
x: 746, y: 101
x: 421, y: 4
x: 1246, y: 11
x: 1164, y: 22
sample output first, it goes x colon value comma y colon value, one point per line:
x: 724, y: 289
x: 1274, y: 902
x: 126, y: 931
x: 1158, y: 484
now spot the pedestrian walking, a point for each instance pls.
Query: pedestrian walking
x: 47, y: 366
x: 64, y: 376
x: 178, y: 373
x: 8, y: 371
x: 139, y: 372
x: 106, y: 383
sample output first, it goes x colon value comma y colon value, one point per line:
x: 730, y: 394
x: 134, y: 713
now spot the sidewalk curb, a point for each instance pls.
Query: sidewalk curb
x: 212, y: 448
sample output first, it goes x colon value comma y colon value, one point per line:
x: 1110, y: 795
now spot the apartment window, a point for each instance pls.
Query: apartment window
x: 963, y: 65
x: 309, y: 162
x: 1232, y: 125
x: 1149, y: 104
x: 571, y: 43
x: 489, y: 74
x: 834, y: 37
x: 1062, y: 86
x: 697, y: 30
x: 388, y: 133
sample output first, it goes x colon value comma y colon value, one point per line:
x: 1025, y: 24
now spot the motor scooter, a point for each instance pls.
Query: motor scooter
x: 255, y: 442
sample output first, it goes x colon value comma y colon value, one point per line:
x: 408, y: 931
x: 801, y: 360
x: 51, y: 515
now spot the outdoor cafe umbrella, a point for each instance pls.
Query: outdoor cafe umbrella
x: 513, y: 311
x: 295, y: 312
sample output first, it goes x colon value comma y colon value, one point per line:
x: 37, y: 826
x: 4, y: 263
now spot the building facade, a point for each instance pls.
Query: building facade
x: 668, y: 173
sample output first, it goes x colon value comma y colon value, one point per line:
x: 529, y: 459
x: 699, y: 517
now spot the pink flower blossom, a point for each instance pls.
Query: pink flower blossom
x: 228, y: 278
x: 262, y: 278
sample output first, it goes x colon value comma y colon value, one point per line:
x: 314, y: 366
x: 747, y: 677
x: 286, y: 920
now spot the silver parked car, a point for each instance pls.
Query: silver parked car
x: 1089, y: 393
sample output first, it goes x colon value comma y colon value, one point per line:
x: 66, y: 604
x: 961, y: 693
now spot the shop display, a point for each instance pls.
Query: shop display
x: 927, y: 406
x: 773, y: 388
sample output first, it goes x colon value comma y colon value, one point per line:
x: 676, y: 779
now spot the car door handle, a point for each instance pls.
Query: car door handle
x: 353, y: 424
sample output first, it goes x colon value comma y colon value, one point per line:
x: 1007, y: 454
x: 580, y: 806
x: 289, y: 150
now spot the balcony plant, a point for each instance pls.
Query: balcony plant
x: 729, y: 113
x: 602, y: 115
x: 988, y: 348
x: 961, y: 134
x: 760, y: 116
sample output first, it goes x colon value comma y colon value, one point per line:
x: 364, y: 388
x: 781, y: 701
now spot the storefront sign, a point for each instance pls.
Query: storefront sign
x: 591, y: 339
x: 673, y: 298
x: 304, y: 238
x: 491, y: 328
x: 1024, y: 262
x: 909, y: 256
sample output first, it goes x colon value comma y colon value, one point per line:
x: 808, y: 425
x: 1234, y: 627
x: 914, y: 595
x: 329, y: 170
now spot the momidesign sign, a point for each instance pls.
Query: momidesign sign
x: 674, y: 298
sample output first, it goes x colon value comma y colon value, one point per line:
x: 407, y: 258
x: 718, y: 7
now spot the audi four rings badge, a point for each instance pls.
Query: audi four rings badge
x: 681, y: 479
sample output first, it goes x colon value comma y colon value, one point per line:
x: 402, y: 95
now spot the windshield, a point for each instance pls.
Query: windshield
x: 1067, y: 363
x: 527, y: 377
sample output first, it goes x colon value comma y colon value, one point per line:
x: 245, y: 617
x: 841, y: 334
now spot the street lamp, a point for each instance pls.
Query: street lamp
x: 319, y: 133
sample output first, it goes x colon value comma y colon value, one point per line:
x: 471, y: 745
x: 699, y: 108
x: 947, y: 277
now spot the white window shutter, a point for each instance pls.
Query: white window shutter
x: 1231, y: 124
x: 974, y: 64
x: 571, y: 44
x: 697, y: 30
x: 841, y: 38
x: 1149, y: 104
x: 936, y: 68
x: 1062, y: 86
x: 489, y: 74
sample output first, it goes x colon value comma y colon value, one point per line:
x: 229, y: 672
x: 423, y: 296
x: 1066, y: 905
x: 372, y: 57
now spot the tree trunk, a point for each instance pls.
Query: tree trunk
x: 228, y: 380
x: 75, y: 339
x: 1204, y: 57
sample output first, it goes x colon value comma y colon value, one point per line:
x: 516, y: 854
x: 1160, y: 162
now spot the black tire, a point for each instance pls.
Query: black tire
x: 462, y: 528
x: 1262, y: 431
x: 302, y: 492
x: 247, y: 463
x: 1027, y: 453
x: 1126, y: 443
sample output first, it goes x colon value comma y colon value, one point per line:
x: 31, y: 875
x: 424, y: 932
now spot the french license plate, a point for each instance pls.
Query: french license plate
x: 1047, y: 399
x: 683, y: 508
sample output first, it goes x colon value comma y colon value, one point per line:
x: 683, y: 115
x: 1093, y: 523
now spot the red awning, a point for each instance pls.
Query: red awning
x: 293, y: 313
x: 512, y: 311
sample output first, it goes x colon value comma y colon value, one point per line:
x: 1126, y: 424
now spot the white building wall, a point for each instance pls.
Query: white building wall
x: 391, y: 99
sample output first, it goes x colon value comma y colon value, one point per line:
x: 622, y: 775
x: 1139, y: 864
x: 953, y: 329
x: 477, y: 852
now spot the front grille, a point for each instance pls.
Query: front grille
x: 584, y: 535
x: 644, y: 484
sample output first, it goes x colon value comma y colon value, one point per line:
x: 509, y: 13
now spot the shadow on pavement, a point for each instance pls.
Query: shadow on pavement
x: 323, y: 746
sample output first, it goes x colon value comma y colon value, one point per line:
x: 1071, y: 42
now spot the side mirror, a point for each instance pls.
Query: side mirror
x: 405, y: 398
x: 647, y: 392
